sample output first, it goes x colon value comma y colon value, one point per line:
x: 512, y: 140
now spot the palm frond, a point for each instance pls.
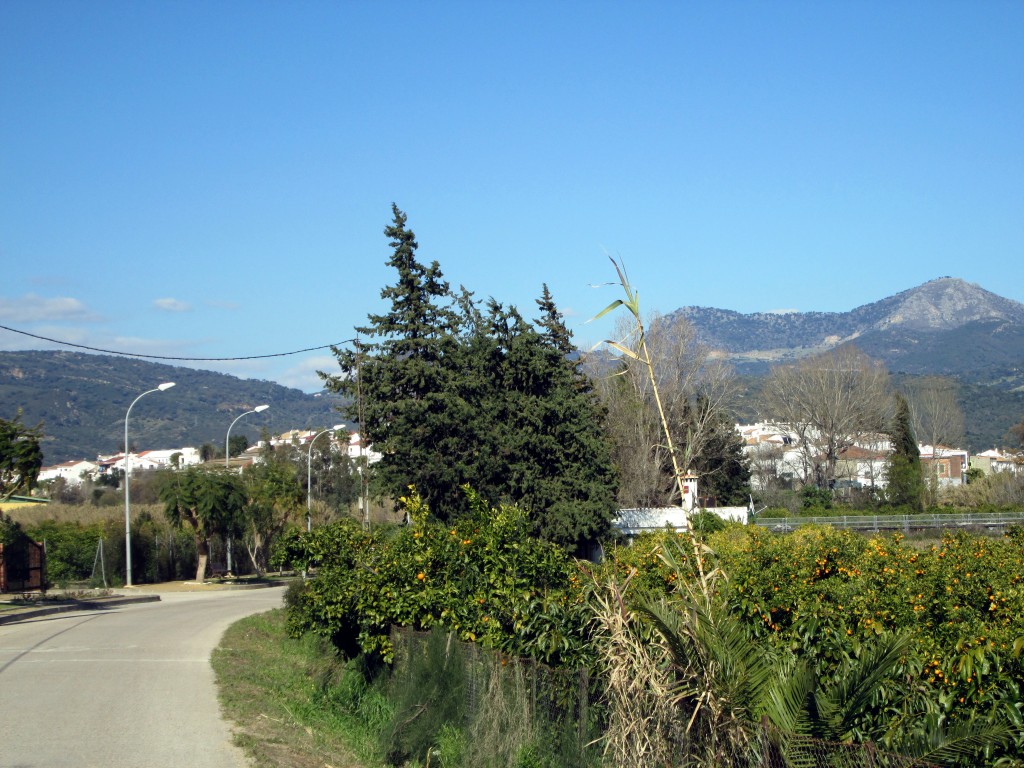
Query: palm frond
x: 843, y: 704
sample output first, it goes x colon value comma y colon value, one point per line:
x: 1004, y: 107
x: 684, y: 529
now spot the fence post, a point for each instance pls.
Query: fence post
x: 584, y: 704
x: 869, y: 754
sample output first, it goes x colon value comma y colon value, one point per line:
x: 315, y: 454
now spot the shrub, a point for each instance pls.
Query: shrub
x: 484, y: 577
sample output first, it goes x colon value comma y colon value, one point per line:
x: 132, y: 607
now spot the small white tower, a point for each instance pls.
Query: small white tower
x: 689, y: 502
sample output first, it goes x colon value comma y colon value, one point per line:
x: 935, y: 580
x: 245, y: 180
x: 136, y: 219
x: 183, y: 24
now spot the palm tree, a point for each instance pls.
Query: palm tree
x: 735, y: 701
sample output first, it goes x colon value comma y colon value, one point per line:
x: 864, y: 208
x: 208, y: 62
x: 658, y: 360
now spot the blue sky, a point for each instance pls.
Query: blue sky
x: 201, y: 179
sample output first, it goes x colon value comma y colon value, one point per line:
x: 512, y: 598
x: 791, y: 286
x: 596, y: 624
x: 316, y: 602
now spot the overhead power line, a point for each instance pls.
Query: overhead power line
x: 168, y: 357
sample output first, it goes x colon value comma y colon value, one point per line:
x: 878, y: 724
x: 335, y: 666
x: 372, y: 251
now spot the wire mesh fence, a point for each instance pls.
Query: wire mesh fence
x: 510, y: 708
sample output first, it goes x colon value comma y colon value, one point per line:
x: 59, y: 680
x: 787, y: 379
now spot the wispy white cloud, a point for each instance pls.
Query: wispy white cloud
x: 304, y: 376
x: 172, y: 305
x: 31, y: 308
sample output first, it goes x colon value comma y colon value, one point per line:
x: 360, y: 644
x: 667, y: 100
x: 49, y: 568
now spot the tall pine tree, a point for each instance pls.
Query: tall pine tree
x: 556, y: 459
x: 400, y: 379
x: 452, y: 395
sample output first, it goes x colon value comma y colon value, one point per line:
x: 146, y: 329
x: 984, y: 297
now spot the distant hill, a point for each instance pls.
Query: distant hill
x: 82, y: 399
x: 945, y: 326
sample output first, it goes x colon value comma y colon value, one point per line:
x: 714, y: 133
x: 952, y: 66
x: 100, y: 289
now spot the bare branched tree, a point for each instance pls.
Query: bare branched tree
x: 936, y: 419
x: 935, y: 414
x: 695, y: 391
x: 829, y: 401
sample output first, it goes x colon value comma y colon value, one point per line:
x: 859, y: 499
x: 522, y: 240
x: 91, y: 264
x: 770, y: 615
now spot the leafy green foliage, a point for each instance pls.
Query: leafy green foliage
x: 159, y: 552
x: 20, y: 456
x: 484, y: 576
x: 274, y: 497
x: 10, y: 531
x: 825, y: 593
x: 453, y: 396
x: 208, y: 501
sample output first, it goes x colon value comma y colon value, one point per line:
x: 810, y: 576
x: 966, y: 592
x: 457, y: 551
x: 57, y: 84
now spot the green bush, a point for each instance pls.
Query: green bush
x: 70, y: 549
x: 706, y: 522
x: 159, y: 552
x: 485, y: 577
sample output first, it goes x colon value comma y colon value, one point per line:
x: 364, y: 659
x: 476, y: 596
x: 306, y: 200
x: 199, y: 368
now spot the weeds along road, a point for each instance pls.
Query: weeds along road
x: 128, y: 687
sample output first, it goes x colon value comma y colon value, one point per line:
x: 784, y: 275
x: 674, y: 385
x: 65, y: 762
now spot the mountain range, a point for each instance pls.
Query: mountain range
x: 81, y: 401
x: 946, y: 326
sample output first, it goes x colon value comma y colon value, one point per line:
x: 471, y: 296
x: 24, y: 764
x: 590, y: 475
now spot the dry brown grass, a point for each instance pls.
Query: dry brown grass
x: 86, y: 514
x: 641, y: 708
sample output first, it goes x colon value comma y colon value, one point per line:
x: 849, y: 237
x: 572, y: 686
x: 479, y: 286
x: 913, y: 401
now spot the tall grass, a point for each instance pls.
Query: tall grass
x: 295, y: 703
x: 83, y: 514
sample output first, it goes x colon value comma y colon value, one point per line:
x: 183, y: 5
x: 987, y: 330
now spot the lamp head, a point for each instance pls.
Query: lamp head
x: 260, y: 408
x: 337, y: 427
x: 165, y: 386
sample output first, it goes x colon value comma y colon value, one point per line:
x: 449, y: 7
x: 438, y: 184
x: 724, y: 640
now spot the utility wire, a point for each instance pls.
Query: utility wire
x: 167, y: 357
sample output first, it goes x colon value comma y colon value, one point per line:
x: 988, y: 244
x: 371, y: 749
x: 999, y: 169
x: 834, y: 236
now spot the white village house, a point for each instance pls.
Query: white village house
x: 74, y: 472
x: 994, y: 460
x: 71, y: 472
x: 633, y: 522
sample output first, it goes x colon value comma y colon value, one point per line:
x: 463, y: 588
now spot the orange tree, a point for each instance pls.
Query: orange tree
x: 828, y: 596
x: 822, y: 592
x: 483, y: 576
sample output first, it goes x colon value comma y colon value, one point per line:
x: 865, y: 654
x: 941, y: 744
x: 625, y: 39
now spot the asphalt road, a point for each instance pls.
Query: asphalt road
x: 127, y: 687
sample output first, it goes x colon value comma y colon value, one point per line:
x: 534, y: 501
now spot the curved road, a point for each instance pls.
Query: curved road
x: 127, y: 687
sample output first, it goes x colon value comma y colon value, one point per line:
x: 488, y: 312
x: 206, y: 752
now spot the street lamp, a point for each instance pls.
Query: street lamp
x: 227, y: 460
x: 127, y: 494
x: 309, y: 476
x: 227, y: 440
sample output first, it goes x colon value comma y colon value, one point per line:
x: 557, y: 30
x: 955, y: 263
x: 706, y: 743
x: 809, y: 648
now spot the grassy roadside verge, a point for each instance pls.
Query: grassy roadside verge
x: 287, y: 699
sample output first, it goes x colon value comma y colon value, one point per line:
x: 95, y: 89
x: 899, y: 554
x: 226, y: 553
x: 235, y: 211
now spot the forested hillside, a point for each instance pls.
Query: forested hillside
x: 81, y: 400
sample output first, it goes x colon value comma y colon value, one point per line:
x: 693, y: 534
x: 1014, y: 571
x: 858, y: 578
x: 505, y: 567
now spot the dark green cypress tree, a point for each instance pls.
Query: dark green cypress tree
x: 904, y: 479
x: 555, y: 333
x: 452, y: 396
x: 557, y: 457
x: 403, y: 375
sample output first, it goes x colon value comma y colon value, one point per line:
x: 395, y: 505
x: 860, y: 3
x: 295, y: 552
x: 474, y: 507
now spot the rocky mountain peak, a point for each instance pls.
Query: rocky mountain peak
x: 945, y: 325
x: 945, y: 303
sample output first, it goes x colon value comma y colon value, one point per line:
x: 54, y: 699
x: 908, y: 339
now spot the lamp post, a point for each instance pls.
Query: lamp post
x: 309, y: 476
x: 127, y: 493
x: 227, y: 460
x: 227, y: 439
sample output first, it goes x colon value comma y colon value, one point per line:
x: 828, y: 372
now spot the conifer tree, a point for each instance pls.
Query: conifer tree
x: 556, y: 457
x: 905, y: 483
x: 454, y: 396
x: 403, y: 376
